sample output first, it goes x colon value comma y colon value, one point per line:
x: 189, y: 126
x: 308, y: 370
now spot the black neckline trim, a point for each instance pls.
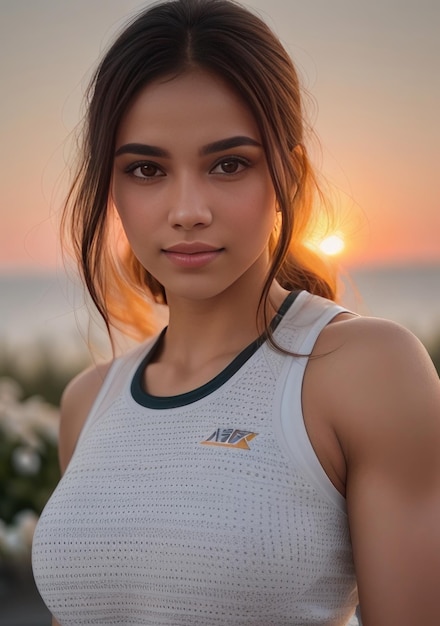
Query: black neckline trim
x: 143, y: 398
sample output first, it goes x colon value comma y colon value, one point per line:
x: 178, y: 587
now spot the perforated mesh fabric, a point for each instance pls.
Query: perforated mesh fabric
x: 195, y: 515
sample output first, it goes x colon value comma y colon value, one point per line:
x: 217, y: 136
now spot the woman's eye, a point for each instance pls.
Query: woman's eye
x: 144, y: 170
x: 230, y: 166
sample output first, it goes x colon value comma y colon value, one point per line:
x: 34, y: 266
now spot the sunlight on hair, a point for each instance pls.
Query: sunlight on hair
x: 332, y: 245
x: 329, y: 246
x: 339, y: 230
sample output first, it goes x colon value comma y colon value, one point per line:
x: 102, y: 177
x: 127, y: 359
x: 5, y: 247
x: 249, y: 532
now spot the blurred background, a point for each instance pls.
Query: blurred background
x: 371, y: 72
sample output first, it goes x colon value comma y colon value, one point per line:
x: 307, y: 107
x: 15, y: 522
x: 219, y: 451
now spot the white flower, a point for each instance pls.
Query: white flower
x: 26, y: 460
x: 26, y: 421
x: 16, y: 539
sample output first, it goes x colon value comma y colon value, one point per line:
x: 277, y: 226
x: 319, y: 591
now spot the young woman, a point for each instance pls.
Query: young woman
x: 268, y: 455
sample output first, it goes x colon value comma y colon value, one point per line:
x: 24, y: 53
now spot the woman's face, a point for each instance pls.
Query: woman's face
x: 192, y: 187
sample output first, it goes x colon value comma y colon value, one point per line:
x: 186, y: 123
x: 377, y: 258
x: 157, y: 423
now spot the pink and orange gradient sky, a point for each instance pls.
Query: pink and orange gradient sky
x: 372, y: 68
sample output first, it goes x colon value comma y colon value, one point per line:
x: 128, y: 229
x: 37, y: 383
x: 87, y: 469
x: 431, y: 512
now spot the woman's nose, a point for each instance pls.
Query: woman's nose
x: 189, y: 206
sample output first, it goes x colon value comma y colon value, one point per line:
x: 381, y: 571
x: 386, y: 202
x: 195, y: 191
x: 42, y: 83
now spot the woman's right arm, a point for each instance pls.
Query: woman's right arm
x: 76, y: 403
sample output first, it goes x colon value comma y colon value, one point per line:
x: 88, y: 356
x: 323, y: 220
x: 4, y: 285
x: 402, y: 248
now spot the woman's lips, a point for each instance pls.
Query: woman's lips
x: 192, y: 255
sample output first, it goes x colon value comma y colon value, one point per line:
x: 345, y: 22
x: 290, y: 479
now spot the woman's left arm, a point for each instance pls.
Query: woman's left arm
x: 389, y: 426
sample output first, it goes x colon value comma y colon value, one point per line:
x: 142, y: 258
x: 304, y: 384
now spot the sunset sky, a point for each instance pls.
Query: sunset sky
x: 372, y: 68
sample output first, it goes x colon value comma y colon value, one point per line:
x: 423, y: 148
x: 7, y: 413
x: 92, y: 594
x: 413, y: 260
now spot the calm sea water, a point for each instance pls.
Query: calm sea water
x: 408, y: 295
x: 48, y: 307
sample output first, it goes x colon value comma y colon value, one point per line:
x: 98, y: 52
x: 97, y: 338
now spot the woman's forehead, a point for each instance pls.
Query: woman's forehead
x: 195, y: 101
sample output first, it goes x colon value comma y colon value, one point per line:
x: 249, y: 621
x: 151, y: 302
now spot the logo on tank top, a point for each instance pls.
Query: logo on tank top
x: 230, y: 438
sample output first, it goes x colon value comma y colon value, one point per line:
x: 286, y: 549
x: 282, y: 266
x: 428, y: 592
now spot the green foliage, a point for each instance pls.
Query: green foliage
x: 49, y: 374
x: 47, y: 382
x: 32, y: 380
x: 28, y: 466
x: 23, y: 489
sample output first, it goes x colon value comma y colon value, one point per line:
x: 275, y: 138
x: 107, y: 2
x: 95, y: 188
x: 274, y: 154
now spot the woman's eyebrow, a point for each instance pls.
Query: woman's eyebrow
x: 144, y: 149
x: 227, y: 144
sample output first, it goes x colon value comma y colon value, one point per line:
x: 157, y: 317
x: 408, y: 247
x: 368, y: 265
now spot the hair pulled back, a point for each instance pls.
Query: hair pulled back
x: 165, y: 40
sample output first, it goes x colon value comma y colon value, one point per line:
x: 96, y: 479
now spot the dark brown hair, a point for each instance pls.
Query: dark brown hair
x: 168, y: 39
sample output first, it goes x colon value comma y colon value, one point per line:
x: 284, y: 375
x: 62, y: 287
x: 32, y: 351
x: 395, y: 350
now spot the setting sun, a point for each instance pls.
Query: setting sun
x: 332, y: 245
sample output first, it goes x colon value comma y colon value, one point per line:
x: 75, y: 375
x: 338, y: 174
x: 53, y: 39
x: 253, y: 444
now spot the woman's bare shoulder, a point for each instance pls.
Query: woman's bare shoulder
x: 347, y: 326
x: 373, y: 370
x: 361, y: 341
x: 76, y: 402
x: 366, y: 367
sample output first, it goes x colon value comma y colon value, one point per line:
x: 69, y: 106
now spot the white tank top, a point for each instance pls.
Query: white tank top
x: 205, y: 509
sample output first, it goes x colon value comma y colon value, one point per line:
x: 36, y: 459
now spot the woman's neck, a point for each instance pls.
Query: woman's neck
x: 220, y: 327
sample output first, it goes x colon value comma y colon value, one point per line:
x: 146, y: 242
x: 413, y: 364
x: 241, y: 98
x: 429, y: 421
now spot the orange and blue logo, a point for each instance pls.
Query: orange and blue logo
x: 230, y: 438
